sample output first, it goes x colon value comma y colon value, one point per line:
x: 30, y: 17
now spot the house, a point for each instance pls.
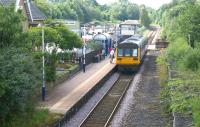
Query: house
x: 29, y: 10
x: 129, y: 27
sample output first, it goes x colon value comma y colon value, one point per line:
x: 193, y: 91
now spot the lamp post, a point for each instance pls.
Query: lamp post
x: 84, y: 51
x: 43, y: 63
x: 43, y: 69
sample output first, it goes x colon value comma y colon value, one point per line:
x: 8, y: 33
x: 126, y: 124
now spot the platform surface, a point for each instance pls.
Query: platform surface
x: 65, y: 95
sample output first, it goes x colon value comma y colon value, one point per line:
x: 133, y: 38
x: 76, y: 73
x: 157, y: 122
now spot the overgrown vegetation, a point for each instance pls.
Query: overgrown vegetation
x: 180, y: 22
x: 38, y: 118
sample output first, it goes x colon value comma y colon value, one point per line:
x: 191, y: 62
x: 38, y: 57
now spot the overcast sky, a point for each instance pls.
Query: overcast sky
x: 151, y: 3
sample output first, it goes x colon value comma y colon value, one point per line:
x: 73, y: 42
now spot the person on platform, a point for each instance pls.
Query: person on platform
x: 112, y: 52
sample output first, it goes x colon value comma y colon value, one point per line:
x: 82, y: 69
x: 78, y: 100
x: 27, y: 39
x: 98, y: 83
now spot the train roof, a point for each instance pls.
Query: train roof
x: 135, y: 39
x: 102, y: 36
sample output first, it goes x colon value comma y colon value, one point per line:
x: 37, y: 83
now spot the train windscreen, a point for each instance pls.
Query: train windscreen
x: 135, y: 52
x: 127, y: 52
x: 120, y: 52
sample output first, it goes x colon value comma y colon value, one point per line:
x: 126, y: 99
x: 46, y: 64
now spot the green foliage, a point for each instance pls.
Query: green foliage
x: 50, y: 66
x: 57, y: 36
x: 19, y: 71
x: 195, y: 102
x: 177, y: 50
x: 71, y: 9
x: 69, y: 40
x: 163, y: 77
x: 94, y: 46
x: 18, y: 78
x: 162, y: 69
x: 87, y: 10
x: 192, y: 60
x: 36, y: 118
x: 10, y: 27
x: 179, y: 20
x: 144, y: 17
x: 121, y: 11
x: 34, y: 37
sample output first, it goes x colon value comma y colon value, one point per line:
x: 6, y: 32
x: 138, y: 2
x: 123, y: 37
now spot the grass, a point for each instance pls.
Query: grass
x: 181, y: 93
x: 195, y: 102
x: 163, y: 81
x: 38, y: 118
x: 162, y: 69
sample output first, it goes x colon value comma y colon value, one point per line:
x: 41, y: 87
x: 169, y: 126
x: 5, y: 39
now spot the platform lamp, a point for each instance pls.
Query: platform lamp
x: 43, y: 63
x: 84, y: 50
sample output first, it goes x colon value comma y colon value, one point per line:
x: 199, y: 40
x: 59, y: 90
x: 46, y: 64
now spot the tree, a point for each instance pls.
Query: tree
x: 133, y: 12
x: 189, y: 24
x: 18, y: 78
x: 69, y: 39
x: 58, y: 36
x: 144, y: 17
x: 19, y: 73
x: 10, y: 27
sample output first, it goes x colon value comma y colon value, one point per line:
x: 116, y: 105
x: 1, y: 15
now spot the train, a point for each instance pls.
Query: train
x: 130, y: 53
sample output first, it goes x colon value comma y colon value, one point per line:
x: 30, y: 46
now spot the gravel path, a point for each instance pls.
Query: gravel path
x: 141, y: 106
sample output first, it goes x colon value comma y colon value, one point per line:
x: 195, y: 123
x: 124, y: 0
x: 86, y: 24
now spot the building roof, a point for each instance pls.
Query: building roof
x: 130, y: 22
x: 34, y: 14
x: 7, y: 2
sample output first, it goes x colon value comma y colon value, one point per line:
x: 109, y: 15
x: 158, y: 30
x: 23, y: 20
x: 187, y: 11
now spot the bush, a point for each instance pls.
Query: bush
x: 177, y: 52
x: 36, y: 118
x: 94, y: 46
x: 50, y: 67
x: 18, y: 78
x: 192, y: 60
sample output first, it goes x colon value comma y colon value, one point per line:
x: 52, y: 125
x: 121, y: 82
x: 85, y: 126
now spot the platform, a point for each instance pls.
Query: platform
x: 65, y: 95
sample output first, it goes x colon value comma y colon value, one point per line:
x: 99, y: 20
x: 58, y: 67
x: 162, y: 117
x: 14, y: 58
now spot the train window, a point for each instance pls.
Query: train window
x: 127, y: 52
x: 135, y: 52
x: 120, y: 52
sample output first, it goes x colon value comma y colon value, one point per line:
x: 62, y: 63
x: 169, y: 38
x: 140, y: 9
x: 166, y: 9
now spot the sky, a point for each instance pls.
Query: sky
x: 150, y: 3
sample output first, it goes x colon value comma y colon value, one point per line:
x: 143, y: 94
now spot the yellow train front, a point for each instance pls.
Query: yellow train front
x: 130, y: 53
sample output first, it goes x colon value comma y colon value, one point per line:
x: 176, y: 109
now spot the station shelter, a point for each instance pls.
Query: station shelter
x: 105, y: 40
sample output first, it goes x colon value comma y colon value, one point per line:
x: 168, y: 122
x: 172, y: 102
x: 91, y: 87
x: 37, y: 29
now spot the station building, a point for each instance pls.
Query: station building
x: 129, y: 27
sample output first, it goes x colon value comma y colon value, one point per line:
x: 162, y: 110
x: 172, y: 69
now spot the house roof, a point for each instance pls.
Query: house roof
x: 34, y: 14
x: 130, y: 22
x: 7, y: 2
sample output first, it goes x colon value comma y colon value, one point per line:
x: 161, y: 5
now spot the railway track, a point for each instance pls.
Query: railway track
x: 102, y: 113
